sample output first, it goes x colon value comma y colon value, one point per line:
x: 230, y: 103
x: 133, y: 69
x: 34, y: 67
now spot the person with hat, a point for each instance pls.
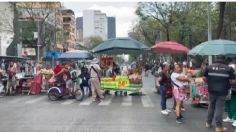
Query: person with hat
x: 95, y: 74
x: 219, y: 77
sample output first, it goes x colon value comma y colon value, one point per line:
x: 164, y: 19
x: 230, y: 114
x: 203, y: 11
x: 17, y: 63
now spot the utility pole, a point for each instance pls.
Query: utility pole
x: 38, y: 42
x: 209, y: 29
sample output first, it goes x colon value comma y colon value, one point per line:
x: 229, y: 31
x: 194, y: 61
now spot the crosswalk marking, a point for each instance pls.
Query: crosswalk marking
x: 127, y: 101
x: 146, y: 101
x: 67, y: 102
x: 19, y: 100
x: 35, y: 100
x: 87, y: 101
x: 106, y: 101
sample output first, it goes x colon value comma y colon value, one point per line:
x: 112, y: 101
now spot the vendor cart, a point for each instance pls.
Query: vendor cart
x: 199, y: 91
x: 121, y: 84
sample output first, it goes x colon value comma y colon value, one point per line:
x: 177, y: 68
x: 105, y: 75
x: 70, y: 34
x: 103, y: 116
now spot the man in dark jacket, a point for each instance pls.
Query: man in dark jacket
x: 219, y: 77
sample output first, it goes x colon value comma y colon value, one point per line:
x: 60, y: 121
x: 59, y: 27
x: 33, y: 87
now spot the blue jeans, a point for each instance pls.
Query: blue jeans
x: 163, y: 97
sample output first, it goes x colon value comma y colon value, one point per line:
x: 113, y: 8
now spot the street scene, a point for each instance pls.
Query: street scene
x: 117, y: 66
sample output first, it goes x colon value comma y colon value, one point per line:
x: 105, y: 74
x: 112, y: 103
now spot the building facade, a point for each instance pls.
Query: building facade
x: 6, y: 26
x: 79, y: 30
x: 44, y: 17
x: 69, y: 28
x: 94, y: 24
x: 111, y: 30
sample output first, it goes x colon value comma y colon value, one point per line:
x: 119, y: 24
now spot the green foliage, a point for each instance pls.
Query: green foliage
x: 184, y: 22
x: 92, y: 42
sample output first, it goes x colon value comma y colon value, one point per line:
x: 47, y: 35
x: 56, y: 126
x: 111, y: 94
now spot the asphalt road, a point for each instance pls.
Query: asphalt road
x: 24, y: 113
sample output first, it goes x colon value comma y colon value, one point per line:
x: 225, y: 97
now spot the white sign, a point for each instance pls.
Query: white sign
x: 28, y: 52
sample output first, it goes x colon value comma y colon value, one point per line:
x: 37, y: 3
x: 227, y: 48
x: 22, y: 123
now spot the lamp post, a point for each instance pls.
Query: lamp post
x: 38, y: 43
x: 209, y: 29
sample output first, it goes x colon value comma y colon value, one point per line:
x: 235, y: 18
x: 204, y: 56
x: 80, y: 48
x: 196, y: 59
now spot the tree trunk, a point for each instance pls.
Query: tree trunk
x: 167, y: 34
x: 12, y: 49
x: 221, y: 19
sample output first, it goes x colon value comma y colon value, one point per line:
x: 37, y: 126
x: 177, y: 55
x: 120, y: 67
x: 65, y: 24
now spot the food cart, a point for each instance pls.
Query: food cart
x: 121, y: 46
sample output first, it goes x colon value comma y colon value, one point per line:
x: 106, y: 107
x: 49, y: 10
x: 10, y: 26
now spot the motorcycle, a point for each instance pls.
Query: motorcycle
x: 59, y: 90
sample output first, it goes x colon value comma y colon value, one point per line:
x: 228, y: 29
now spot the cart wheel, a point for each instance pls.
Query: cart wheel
x: 79, y: 95
x: 116, y: 93
x: 125, y: 93
x: 53, y: 95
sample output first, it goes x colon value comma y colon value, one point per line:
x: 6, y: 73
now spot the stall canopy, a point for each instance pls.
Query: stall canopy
x: 120, y: 46
x: 76, y: 55
x: 215, y: 47
x: 169, y: 47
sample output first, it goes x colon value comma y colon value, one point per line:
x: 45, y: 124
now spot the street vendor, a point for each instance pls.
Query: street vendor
x: 58, y: 71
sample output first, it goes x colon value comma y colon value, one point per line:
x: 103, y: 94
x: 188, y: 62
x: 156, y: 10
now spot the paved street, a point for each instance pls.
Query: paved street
x: 115, y: 114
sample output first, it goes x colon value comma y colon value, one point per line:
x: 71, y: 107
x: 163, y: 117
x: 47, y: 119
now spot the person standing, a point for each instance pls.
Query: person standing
x: 179, y: 90
x: 36, y: 85
x: 219, y: 77
x: 230, y: 104
x: 11, y: 83
x: 95, y: 71
x: 164, y: 81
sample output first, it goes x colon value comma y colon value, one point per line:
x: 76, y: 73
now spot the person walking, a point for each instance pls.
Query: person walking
x: 179, y: 91
x: 164, y: 81
x: 219, y: 77
x: 95, y: 71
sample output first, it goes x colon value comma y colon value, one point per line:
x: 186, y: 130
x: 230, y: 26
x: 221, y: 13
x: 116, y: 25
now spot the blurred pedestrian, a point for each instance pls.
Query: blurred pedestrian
x: 179, y: 90
x: 95, y: 73
x: 164, y: 81
x: 219, y: 77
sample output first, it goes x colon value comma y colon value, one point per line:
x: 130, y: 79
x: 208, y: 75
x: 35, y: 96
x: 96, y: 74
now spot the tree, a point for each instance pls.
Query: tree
x: 221, y: 19
x: 11, y: 50
x: 92, y: 42
x: 162, y: 12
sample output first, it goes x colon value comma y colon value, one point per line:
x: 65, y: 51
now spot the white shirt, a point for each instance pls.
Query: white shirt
x: 174, y: 77
x: 93, y: 74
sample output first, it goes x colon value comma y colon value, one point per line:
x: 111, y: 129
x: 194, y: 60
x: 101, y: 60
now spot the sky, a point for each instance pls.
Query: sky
x: 123, y: 11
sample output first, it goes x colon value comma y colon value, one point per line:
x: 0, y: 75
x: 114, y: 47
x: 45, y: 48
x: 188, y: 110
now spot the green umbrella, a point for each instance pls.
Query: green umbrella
x: 215, y: 47
x: 120, y: 46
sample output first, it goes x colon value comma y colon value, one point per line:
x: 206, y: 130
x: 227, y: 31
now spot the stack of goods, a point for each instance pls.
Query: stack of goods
x: 199, y: 90
x: 47, y: 73
x: 109, y: 83
x: 135, y: 80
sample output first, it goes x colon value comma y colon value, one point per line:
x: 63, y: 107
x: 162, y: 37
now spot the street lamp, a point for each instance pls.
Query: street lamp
x: 209, y: 29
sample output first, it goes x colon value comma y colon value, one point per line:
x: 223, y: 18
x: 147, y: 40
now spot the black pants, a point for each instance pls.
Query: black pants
x: 82, y: 85
x: 216, y: 109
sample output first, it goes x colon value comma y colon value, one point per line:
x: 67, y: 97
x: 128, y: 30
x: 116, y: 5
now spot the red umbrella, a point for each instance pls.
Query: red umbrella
x: 169, y: 47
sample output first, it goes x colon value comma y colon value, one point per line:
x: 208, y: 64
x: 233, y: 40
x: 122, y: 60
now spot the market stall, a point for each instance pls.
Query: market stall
x: 199, y: 88
x: 126, y: 83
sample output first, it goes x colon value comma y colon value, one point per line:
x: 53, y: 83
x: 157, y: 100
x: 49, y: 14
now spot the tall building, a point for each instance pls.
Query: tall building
x: 79, y: 30
x: 69, y: 28
x: 111, y: 30
x: 94, y: 24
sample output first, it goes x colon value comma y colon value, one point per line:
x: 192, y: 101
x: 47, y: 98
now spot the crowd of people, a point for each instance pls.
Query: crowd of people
x: 220, y: 78
x: 173, y: 79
